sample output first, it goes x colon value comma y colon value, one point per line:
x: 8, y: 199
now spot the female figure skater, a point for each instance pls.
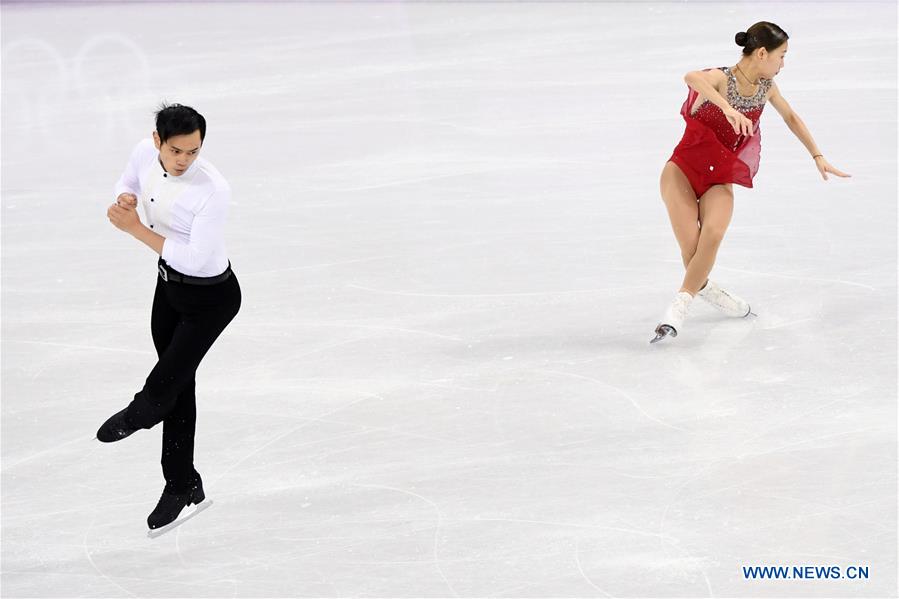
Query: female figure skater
x: 184, y: 199
x: 721, y: 146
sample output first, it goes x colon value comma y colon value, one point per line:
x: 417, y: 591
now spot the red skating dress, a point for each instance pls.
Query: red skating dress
x: 710, y: 153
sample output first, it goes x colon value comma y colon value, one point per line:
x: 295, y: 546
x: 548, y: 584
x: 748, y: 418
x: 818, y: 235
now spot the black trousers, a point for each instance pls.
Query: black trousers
x: 186, y: 320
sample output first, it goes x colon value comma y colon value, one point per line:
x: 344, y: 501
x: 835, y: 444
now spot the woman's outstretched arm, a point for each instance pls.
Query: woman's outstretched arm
x: 797, y: 126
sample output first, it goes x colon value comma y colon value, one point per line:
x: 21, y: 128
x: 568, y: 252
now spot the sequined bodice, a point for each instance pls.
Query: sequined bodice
x: 741, y: 102
x: 750, y: 106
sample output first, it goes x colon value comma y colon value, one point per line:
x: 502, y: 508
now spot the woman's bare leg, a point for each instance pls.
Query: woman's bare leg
x: 683, y: 209
x: 716, y: 206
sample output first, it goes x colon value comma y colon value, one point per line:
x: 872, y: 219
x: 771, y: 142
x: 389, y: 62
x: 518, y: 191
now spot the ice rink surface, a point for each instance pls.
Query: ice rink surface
x: 447, y: 227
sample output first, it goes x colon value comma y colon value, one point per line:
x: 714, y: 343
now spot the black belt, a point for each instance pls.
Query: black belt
x: 169, y: 275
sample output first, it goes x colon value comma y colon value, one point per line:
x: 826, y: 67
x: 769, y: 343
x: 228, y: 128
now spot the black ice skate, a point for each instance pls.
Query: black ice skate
x: 171, y: 504
x: 115, y: 428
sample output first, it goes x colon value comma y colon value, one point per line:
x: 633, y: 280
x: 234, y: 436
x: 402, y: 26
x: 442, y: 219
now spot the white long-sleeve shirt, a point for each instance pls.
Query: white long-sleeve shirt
x: 189, y: 211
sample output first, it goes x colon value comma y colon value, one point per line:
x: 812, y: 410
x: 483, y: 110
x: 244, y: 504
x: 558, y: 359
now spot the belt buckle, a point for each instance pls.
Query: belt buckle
x: 163, y: 273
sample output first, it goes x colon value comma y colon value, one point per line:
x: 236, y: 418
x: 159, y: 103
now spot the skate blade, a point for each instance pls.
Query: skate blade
x: 203, y: 505
x: 662, y: 331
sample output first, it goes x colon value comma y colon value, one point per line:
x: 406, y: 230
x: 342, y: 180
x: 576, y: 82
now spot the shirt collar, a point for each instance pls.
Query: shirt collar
x: 186, y: 175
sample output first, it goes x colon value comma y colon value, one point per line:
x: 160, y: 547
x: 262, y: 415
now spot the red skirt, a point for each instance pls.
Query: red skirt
x: 710, y: 153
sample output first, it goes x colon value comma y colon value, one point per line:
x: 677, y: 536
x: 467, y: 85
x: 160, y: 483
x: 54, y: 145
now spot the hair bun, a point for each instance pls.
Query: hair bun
x: 740, y: 38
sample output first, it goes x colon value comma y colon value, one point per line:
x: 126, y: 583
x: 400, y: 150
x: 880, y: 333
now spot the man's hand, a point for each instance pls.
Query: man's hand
x: 127, y: 200
x: 123, y: 218
x: 123, y: 215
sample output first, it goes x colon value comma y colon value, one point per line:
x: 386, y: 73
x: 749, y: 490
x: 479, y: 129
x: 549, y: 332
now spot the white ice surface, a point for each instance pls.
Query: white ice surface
x: 447, y: 227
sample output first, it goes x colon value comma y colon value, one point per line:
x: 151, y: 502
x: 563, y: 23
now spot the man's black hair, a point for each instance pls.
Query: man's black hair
x: 175, y: 119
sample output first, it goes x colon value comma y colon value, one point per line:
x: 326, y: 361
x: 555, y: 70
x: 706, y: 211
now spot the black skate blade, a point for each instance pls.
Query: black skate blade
x: 662, y: 331
x: 203, y: 505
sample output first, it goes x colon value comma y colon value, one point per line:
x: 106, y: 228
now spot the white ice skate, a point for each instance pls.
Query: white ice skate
x: 673, y: 319
x: 726, y: 302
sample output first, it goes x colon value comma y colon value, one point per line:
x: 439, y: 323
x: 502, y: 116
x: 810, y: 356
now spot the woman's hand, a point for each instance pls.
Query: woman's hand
x: 737, y: 120
x: 825, y: 167
x: 124, y: 218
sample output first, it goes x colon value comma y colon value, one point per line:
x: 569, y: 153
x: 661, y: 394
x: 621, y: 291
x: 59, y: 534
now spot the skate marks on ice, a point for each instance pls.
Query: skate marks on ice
x: 791, y: 277
x: 200, y: 507
x: 437, y: 527
x: 602, y: 290
x: 618, y: 391
x: 90, y: 558
x: 64, y: 449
